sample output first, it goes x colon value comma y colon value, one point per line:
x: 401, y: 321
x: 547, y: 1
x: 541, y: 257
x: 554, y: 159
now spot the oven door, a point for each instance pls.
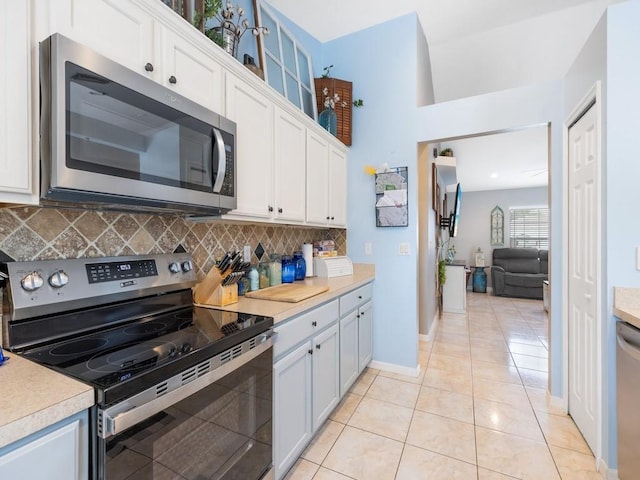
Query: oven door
x: 217, y: 427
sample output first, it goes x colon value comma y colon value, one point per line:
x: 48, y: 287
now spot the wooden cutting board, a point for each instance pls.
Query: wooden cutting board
x: 288, y: 292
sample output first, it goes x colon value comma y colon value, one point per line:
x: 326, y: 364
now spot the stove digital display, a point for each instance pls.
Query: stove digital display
x: 112, y: 271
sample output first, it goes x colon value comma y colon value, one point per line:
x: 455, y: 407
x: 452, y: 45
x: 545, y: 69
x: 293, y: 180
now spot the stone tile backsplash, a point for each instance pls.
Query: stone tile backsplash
x: 30, y: 233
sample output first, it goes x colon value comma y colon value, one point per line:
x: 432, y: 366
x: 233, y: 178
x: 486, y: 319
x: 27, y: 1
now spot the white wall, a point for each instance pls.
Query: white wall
x: 475, y: 227
x: 523, y: 53
x: 427, y: 272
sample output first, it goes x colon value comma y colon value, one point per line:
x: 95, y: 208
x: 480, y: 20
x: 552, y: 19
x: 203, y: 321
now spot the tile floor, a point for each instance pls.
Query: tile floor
x: 478, y: 410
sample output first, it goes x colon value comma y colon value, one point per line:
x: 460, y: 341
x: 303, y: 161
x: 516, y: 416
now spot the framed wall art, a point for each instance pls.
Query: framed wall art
x: 392, y: 209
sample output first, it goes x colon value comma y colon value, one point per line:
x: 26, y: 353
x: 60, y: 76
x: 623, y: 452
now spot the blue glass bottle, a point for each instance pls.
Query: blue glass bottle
x: 288, y: 269
x: 301, y: 265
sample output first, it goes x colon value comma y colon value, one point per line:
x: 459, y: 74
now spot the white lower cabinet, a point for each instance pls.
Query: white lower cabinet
x: 291, y: 408
x: 305, y: 384
x: 318, y: 355
x: 325, y: 375
x: 365, y: 335
x: 348, y: 351
x: 356, y: 335
x: 59, y: 452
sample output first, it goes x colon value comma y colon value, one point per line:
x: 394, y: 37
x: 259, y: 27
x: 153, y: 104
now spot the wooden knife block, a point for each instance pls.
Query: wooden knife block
x: 222, y: 296
x: 211, y: 292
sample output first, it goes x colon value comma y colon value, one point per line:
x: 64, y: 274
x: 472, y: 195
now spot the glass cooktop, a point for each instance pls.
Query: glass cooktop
x: 129, y: 358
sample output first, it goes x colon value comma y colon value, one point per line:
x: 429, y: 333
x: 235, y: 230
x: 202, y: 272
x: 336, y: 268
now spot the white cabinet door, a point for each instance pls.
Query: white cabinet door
x: 365, y: 335
x: 337, y: 188
x: 60, y: 454
x: 289, y: 178
x: 17, y: 180
x: 317, y: 179
x: 191, y: 72
x: 348, y: 351
x: 326, y: 183
x: 291, y: 407
x: 119, y: 30
x: 326, y: 373
x: 253, y: 114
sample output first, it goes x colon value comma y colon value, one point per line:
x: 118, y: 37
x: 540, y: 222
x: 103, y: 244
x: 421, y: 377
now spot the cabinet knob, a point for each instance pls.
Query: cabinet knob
x: 148, y: 67
x: 333, y: 218
x: 310, y: 352
x: 327, y: 218
x: 357, y: 315
x: 172, y: 80
x: 279, y: 210
x: 270, y: 208
x: 318, y: 346
x: 314, y: 323
x: 362, y: 314
x: 359, y: 297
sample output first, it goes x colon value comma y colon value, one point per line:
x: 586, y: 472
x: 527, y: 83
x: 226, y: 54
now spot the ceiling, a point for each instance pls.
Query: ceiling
x: 442, y: 20
x: 515, y: 159
x: 468, y: 35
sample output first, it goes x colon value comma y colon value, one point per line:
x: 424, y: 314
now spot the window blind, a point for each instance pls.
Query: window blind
x: 529, y: 227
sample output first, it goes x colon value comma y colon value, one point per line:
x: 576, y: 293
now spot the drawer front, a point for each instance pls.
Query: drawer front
x: 352, y: 300
x: 301, y: 328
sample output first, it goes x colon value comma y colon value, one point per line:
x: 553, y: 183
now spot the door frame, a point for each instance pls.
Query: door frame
x: 592, y: 97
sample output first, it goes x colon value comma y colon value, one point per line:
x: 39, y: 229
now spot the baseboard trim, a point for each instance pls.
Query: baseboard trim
x: 432, y: 331
x: 394, y: 368
x: 557, y: 402
x: 605, y: 472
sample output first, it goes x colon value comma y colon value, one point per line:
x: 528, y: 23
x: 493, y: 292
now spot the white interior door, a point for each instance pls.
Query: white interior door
x: 584, y: 323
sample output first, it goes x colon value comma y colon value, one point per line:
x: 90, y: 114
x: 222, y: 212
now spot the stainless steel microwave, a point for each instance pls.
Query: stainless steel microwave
x: 113, y: 138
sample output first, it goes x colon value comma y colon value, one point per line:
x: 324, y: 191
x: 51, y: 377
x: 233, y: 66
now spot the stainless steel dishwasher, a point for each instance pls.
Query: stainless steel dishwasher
x: 628, y: 386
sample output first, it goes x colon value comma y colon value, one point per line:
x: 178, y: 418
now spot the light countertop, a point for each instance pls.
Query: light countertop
x: 626, y: 305
x: 280, y: 311
x: 33, y: 397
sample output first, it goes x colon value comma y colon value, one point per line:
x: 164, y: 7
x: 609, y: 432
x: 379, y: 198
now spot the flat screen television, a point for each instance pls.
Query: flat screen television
x: 455, y: 215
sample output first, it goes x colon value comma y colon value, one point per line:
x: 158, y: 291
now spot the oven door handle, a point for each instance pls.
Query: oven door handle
x: 120, y: 417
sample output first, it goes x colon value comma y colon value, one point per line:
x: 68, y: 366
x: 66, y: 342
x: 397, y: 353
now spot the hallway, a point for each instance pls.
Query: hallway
x: 478, y: 410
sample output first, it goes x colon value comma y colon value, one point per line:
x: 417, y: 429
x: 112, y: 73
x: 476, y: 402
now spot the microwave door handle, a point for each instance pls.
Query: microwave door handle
x: 222, y: 159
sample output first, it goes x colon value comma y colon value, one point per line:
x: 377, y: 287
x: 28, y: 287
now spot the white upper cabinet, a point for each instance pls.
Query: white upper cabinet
x: 326, y: 182
x: 18, y: 182
x: 128, y: 33
x: 337, y: 188
x: 253, y: 114
x: 119, y: 30
x: 289, y: 178
x: 191, y: 72
x: 288, y: 169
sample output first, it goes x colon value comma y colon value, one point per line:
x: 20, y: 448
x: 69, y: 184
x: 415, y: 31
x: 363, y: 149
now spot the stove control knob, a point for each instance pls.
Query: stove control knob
x: 174, y: 267
x: 186, y: 348
x: 187, y: 266
x: 58, y: 279
x: 31, y: 282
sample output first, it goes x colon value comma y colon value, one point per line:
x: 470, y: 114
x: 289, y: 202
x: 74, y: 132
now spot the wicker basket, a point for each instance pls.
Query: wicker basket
x: 343, y: 114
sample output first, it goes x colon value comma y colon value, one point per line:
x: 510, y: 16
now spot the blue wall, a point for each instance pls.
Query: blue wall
x: 384, y: 131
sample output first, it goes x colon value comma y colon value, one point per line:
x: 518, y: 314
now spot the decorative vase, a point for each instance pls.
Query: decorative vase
x: 328, y: 120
